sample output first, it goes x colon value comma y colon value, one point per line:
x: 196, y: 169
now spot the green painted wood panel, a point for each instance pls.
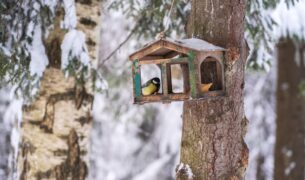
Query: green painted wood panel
x: 137, y: 79
x: 164, y: 79
x: 191, y: 57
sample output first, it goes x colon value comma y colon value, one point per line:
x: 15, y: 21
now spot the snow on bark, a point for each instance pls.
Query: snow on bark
x: 6, y: 125
x: 12, y: 120
x: 70, y: 20
x: 185, y: 171
x: 39, y: 59
x: 16, y: 105
x: 56, y: 125
x: 74, y: 47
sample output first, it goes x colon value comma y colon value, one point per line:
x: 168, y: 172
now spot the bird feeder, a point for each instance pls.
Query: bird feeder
x: 202, y: 66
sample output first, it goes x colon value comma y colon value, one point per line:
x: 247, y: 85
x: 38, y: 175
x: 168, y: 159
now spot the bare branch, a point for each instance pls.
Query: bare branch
x: 122, y: 43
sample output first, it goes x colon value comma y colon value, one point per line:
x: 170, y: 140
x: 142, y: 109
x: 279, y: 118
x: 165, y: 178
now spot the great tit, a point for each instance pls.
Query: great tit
x: 151, y: 86
x: 206, y: 87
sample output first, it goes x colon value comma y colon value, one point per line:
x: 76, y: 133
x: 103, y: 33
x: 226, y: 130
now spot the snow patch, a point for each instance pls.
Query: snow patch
x: 150, y: 172
x: 290, y: 167
x: 51, y: 4
x: 5, y: 50
x: 70, y: 19
x: 297, y: 55
x: 290, y: 20
x: 39, y: 59
x: 101, y: 84
x: 285, y: 86
x: 186, y: 169
x: 74, y: 46
x: 260, y: 111
x: 287, y: 152
x: 13, y: 118
x: 197, y: 44
x: 168, y: 134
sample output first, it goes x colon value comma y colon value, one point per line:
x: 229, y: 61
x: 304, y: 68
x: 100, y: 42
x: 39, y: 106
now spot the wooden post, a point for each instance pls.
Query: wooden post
x: 186, y: 78
x: 164, y: 79
x: 169, y: 78
x: 191, y: 57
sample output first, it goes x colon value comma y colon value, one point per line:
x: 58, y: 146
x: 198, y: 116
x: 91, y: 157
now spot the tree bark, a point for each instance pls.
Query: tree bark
x: 290, y: 132
x: 55, y: 127
x: 213, y: 128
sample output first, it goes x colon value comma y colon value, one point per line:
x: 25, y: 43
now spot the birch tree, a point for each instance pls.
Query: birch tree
x: 49, y: 50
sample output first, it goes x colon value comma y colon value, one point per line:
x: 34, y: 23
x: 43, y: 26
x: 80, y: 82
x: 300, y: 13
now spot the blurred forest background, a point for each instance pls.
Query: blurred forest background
x: 123, y: 141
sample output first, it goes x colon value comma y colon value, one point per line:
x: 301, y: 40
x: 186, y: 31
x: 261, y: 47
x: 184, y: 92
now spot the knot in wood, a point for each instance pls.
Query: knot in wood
x: 232, y: 55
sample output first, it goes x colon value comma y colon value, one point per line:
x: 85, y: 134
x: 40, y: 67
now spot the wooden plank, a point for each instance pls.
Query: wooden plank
x: 152, y: 58
x: 169, y: 78
x: 164, y: 79
x: 219, y: 75
x: 160, y: 61
x: 146, y: 51
x: 179, y: 96
x: 213, y: 94
x: 171, y: 54
x: 179, y: 60
x: 162, y: 98
x: 157, y: 97
x: 133, y: 82
x: 155, y: 61
x: 186, y: 77
x: 176, y: 48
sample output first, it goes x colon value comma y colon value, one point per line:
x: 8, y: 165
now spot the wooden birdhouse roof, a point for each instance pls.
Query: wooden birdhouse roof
x: 166, y: 46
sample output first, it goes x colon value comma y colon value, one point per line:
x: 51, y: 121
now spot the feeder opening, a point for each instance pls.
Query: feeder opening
x: 148, y: 72
x: 179, y: 78
x: 211, y: 75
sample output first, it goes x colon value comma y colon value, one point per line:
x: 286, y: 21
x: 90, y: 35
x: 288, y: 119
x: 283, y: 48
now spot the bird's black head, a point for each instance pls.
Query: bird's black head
x: 155, y: 81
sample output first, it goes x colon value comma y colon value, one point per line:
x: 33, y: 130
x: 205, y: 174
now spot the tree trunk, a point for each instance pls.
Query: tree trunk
x: 213, y: 128
x: 290, y: 132
x: 55, y: 127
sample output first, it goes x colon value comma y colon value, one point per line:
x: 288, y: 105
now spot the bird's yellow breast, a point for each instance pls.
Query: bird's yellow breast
x: 149, y: 90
